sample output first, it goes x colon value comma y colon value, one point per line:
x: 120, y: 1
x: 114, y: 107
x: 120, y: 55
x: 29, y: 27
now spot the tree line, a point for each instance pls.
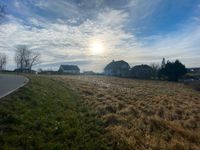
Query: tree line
x: 171, y: 71
x: 24, y: 58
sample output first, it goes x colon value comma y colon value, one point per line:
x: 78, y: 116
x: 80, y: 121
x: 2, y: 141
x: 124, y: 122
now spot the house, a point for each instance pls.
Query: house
x: 48, y: 72
x: 193, y: 70
x: 117, y: 68
x: 89, y: 73
x: 24, y: 70
x: 69, y: 69
x: 141, y: 71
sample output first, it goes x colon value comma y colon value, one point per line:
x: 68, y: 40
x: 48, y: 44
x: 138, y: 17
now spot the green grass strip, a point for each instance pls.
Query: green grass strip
x: 46, y: 114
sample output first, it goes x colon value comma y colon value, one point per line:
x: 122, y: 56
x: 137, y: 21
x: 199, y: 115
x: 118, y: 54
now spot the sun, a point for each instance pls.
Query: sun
x: 96, y: 48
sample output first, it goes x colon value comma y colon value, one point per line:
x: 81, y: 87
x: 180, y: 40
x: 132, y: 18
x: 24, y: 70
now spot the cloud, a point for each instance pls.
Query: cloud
x: 182, y: 44
x: 58, y: 8
x: 60, y: 41
x: 62, y: 31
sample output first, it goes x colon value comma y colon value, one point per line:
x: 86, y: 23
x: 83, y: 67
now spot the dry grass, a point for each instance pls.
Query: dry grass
x: 143, y: 114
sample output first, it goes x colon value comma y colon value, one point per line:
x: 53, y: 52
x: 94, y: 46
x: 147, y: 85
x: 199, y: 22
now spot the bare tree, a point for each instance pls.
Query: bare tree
x: 3, y: 61
x: 155, y: 67
x: 25, y: 58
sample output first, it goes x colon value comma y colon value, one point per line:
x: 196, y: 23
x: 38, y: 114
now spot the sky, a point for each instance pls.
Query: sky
x: 92, y: 33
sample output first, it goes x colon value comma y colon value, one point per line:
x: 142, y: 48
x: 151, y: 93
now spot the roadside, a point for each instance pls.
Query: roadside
x: 45, y: 114
x: 10, y: 83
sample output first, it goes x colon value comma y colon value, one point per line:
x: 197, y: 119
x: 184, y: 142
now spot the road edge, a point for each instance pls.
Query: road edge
x: 22, y: 85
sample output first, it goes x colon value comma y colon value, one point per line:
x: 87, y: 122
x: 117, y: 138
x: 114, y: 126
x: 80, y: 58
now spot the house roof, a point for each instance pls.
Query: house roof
x: 69, y: 67
x: 146, y: 67
x: 117, y: 65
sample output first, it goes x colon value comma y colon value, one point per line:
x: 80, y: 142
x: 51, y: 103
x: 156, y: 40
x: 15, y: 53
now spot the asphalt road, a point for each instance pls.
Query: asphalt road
x: 10, y: 83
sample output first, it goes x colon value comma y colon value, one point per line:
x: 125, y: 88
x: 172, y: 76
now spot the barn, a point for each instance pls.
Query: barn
x: 69, y: 69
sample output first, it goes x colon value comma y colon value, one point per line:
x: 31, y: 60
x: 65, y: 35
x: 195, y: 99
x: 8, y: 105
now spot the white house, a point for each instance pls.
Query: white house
x: 117, y: 68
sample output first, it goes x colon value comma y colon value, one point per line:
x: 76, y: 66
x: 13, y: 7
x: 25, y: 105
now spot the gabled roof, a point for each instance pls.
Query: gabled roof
x: 117, y: 64
x: 69, y: 67
x: 141, y: 67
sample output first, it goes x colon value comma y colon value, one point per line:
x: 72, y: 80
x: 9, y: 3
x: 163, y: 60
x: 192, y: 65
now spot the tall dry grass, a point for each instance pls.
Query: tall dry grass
x: 143, y: 114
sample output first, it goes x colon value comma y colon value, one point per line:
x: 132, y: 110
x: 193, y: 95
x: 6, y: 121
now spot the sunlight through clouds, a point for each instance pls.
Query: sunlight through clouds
x: 100, y: 31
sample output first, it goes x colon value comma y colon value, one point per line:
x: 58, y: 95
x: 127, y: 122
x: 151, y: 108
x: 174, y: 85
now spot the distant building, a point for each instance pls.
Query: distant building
x: 141, y: 71
x: 48, y: 72
x: 24, y: 70
x: 89, y: 73
x: 193, y: 70
x: 117, y: 68
x: 69, y: 69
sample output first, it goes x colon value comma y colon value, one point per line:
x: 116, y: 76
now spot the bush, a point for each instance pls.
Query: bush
x: 173, y: 70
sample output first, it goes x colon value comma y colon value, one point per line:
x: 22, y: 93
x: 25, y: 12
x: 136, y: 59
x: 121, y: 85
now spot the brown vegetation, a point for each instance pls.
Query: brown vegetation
x: 195, y: 85
x: 143, y: 114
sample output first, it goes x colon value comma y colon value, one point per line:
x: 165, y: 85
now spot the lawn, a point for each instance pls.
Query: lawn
x: 46, y: 114
x: 143, y: 114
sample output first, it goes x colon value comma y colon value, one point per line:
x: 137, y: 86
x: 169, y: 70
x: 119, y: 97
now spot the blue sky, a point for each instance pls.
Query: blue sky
x: 138, y: 31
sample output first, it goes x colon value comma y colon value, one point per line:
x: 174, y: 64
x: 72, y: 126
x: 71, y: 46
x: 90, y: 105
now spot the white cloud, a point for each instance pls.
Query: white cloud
x: 62, y: 8
x: 67, y: 39
x: 183, y: 44
x: 58, y: 42
x: 17, y: 4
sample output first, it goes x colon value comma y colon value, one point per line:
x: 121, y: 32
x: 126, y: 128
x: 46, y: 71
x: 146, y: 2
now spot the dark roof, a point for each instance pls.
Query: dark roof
x: 70, y: 67
x: 117, y: 65
x: 141, y: 67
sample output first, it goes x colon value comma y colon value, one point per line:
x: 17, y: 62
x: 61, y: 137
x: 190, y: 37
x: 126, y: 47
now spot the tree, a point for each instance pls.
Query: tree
x: 160, y: 74
x: 173, y: 70
x: 155, y: 69
x: 25, y: 58
x: 3, y: 61
x: 163, y: 63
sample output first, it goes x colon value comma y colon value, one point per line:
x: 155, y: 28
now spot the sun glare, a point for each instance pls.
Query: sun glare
x: 96, y: 48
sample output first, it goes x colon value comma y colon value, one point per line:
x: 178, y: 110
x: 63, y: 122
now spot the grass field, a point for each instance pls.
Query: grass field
x: 96, y: 112
x: 47, y: 115
x: 143, y: 114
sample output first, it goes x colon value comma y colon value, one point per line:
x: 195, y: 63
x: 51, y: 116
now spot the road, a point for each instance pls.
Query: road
x: 10, y: 83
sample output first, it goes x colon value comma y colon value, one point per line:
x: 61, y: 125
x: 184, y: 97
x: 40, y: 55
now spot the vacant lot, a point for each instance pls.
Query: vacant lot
x: 95, y: 112
x: 143, y: 114
x: 47, y: 115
